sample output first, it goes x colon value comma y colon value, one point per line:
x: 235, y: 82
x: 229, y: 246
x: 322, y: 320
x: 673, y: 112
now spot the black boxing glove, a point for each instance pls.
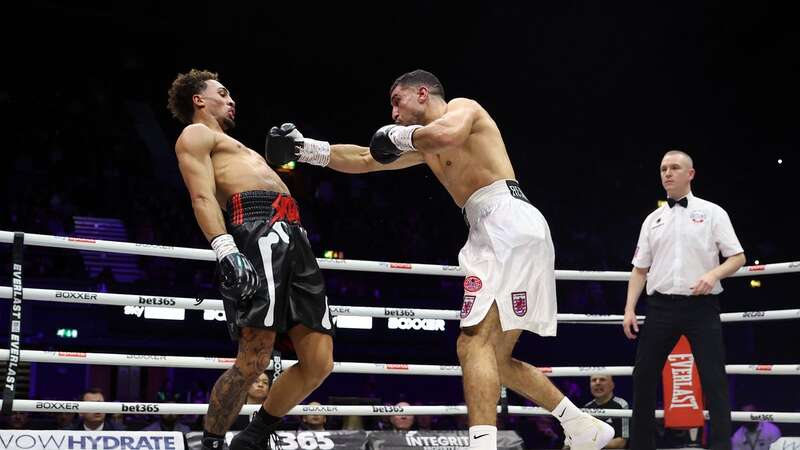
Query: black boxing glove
x: 238, y: 278
x: 286, y: 144
x: 279, y: 149
x: 391, y: 141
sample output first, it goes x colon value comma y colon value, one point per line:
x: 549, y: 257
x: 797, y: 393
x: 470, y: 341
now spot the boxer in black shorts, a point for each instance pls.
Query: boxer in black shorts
x: 270, y: 281
x: 266, y: 227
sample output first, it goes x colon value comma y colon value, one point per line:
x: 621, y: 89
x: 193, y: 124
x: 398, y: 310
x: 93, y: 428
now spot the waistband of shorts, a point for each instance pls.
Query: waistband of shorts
x: 487, y: 195
x: 262, y: 205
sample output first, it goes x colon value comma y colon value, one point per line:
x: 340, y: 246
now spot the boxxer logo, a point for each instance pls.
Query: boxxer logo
x: 416, y: 324
x: 76, y: 295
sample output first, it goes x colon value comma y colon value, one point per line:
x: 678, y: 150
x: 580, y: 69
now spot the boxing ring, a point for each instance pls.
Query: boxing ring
x: 17, y: 293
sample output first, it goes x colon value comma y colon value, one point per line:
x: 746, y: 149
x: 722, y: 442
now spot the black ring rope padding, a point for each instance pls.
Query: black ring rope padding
x: 15, y: 325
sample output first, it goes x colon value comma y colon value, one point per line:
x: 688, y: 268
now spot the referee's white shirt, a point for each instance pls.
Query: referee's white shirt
x: 680, y: 245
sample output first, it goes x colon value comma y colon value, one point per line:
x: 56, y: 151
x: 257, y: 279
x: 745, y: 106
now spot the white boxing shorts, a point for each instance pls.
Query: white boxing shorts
x: 508, y: 259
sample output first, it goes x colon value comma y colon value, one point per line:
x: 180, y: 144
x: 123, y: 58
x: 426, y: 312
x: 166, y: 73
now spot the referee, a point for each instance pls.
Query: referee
x: 677, y: 256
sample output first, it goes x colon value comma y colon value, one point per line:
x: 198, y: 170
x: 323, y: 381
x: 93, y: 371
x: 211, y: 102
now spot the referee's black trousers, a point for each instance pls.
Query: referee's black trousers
x: 667, y: 318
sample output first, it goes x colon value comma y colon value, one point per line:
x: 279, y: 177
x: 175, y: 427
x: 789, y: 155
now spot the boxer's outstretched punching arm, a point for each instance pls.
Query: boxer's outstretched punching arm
x: 286, y: 143
x: 193, y: 150
x: 356, y: 159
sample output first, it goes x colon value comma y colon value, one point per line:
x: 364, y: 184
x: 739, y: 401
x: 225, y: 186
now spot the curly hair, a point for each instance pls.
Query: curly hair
x: 183, y: 88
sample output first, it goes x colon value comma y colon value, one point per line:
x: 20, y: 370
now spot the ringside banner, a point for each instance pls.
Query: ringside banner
x: 437, y: 440
x: 90, y: 440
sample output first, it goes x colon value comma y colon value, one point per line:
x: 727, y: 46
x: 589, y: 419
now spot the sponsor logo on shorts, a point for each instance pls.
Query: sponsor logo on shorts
x: 466, y: 307
x: 472, y: 284
x: 519, y: 300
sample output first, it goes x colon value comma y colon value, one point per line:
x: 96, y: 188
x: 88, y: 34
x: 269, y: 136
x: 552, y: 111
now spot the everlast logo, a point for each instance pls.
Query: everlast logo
x: 57, y: 406
x: 387, y: 409
x: 76, y: 295
x: 751, y: 314
x: 682, y: 383
x: 392, y: 312
x: 140, y: 407
x: 157, y: 301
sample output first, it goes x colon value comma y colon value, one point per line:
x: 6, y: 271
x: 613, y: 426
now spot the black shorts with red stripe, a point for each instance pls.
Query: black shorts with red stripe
x: 266, y: 227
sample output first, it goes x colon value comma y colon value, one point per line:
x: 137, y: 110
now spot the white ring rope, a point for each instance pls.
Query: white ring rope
x: 344, y: 410
x: 102, y: 298
x: 210, y: 362
x: 340, y: 264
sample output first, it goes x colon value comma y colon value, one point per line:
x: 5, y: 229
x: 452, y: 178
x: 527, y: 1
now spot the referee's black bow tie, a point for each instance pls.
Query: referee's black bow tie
x: 683, y: 202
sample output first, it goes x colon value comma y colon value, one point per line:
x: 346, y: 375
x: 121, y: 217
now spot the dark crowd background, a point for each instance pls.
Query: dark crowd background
x: 588, y: 97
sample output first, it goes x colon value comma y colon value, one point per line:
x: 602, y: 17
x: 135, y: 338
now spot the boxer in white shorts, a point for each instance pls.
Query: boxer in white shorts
x: 508, y: 260
x: 510, y: 282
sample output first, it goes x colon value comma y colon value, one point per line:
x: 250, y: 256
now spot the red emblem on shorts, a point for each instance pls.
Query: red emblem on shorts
x: 472, y: 284
x: 466, y: 307
x: 519, y: 300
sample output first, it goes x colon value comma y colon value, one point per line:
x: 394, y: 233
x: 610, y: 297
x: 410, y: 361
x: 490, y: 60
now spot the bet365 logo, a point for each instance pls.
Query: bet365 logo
x: 305, y: 440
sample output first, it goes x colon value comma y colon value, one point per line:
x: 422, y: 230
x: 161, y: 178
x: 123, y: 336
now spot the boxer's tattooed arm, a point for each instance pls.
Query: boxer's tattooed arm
x: 227, y: 399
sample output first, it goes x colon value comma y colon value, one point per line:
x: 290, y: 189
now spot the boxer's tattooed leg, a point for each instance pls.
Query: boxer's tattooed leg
x: 230, y: 391
x: 226, y: 400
